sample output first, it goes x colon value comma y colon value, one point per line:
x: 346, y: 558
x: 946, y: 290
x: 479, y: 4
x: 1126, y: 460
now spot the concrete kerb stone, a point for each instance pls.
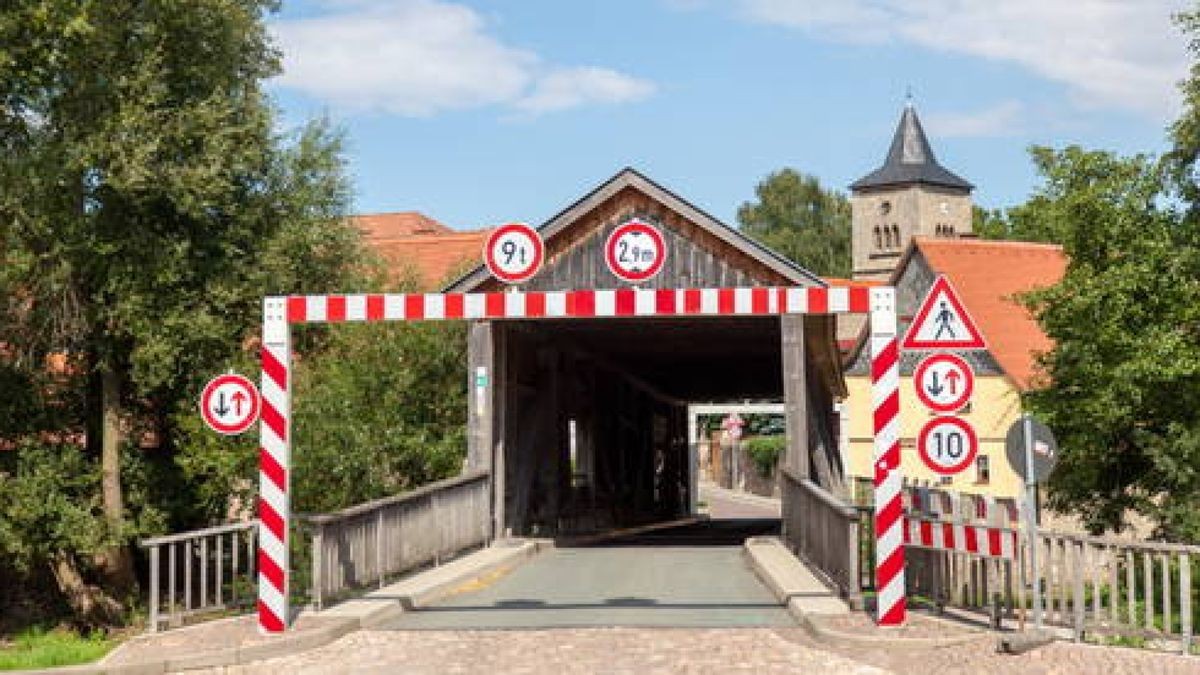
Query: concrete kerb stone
x: 807, y: 600
x: 422, y: 589
x: 437, y: 583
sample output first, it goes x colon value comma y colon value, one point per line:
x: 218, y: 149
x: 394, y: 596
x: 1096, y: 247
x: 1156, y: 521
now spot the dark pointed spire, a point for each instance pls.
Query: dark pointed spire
x: 910, y: 159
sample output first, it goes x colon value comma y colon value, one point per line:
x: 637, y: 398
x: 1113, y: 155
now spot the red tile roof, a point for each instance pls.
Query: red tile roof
x: 434, y: 259
x: 413, y: 244
x: 839, y: 282
x: 387, y: 226
x: 987, y: 276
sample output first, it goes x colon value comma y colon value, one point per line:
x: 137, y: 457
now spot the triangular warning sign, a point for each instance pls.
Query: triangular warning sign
x: 942, y: 322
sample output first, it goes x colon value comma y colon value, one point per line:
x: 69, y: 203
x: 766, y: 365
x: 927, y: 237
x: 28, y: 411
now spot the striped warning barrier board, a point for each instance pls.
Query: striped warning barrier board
x: 980, y: 540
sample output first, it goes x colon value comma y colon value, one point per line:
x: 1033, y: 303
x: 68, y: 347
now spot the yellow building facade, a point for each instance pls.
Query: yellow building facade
x: 995, y: 404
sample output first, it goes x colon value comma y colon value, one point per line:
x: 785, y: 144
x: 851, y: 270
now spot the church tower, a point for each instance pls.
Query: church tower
x: 911, y: 194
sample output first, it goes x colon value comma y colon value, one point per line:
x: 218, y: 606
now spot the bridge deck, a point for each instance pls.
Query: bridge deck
x: 694, y: 577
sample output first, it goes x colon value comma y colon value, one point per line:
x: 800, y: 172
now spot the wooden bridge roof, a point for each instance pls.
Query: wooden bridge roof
x: 702, y: 250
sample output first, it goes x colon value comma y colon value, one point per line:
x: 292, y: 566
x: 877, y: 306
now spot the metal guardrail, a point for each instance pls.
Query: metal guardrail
x: 207, y: 571
x: 823, y: 531
x: 368, y: 543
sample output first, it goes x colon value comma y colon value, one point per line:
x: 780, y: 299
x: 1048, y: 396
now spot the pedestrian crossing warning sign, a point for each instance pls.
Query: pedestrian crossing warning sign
x: 942, y: 322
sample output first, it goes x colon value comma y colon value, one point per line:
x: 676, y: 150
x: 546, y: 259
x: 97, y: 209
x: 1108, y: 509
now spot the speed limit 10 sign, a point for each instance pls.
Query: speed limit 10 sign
x: 947, y: 445
x: 513, y: 253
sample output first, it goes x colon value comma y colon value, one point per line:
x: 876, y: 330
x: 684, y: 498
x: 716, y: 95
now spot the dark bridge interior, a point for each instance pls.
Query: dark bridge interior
x: 593, y: 415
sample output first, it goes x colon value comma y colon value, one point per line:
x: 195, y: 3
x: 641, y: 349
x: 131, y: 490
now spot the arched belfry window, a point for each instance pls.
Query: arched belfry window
x: 878, y: 238
x: 895, y: 236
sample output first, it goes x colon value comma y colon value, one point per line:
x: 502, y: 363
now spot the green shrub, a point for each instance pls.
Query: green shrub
x: 36, y: 648
x: 765, y: 451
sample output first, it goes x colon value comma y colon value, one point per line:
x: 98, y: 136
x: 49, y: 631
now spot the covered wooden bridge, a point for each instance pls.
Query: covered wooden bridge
x: 582, y: 423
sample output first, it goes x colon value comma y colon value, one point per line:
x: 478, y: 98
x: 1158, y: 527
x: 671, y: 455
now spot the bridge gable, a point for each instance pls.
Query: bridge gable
x: 701, y: 250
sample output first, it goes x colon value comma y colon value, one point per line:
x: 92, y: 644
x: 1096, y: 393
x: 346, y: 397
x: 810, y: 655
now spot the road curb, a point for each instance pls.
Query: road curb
x: 765, y: 558
x: 434, y: 590
x: 217, y: 658
x: 424, y: 588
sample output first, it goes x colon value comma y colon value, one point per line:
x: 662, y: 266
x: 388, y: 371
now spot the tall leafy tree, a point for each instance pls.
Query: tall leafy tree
x: 1123, y: 376
x: 797, y: 217
x: 1184, y: 157
x: 145, y: 205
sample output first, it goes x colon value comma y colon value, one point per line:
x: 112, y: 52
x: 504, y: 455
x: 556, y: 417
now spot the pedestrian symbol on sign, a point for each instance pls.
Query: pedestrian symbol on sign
x: 942, y: 322
x: 944, y: 318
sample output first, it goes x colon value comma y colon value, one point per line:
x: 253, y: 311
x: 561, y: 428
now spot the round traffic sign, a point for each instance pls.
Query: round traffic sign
x: 944, y: 382
x: 229, y: 404
x: 947, y: 445
x: 513, y: 252
x: 635, y: 251
x: 1044, y: 449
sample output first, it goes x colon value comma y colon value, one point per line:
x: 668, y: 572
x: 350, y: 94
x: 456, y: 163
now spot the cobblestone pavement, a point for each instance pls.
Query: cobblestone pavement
x: 594, y: 650
x: 1059, y: 658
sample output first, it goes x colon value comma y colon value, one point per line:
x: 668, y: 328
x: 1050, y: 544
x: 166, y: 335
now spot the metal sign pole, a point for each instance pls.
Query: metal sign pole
x: 1031, y: 520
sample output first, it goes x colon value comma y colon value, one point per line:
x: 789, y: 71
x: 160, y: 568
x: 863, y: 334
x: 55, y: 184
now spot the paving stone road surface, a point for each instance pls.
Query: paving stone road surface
x: 568, y: 650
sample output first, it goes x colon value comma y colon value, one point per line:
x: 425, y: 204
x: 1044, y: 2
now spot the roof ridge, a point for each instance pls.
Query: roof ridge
x: 924, y: 239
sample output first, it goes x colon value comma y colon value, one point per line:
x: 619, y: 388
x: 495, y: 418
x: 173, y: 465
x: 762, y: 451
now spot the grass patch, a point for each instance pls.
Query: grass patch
x: 38, y: 648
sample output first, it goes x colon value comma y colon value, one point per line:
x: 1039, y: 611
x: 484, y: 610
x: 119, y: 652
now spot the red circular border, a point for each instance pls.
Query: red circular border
x: 967, y: 390
x: 538, y: 246
x: 229, y: 429
x: 972, y: 439
x: 611, y: 244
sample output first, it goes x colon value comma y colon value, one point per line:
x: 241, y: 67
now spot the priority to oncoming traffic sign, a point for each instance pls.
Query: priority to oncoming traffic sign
x: 229, y: 404
x: 944, y: 382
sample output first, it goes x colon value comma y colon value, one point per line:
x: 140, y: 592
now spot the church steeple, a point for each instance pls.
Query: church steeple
x: 910, y: 159
x: 910, y: 195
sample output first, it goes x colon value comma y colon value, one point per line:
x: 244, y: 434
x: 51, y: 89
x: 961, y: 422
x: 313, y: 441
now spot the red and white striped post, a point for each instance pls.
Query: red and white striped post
x: 274, y: 463
x: 279, y: 313
x: 889, y: 510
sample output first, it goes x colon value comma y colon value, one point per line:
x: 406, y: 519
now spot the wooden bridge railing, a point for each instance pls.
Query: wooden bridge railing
x: 1100, y: 586
x: 213, y: 570
x: 368, y: 543
x: 823, y: 531
x: 206, y: 571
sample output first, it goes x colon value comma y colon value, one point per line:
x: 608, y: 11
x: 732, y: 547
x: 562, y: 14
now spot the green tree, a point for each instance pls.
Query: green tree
x: 1184, y: 157
x: 800, y: 220
x: 989, y: 223
x: 1124, y: 374
x: 146, y: 205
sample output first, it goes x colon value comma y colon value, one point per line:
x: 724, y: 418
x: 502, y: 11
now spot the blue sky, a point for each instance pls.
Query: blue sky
x: 477, y: 112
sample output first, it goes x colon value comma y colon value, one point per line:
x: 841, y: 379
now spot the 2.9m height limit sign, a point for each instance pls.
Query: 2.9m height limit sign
x: 280, y: 313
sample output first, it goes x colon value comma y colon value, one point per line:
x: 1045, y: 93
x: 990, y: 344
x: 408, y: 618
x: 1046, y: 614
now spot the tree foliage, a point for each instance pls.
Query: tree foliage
x: 1124, y: 374
x: 798, y: 218
x: 1125, y: 369
x: 146, y: 206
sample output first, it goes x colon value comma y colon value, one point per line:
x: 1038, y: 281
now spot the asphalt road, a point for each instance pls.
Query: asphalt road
x: 694, y: 577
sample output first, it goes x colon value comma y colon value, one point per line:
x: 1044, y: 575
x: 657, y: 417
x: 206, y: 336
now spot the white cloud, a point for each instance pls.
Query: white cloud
x: 1110, y: 53
x: 570, y: 87
x: 1002, y: 119
x: 421, y: 57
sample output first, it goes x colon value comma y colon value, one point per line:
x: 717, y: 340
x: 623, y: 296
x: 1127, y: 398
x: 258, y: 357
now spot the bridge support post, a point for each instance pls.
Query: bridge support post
x: 275, y: 463
x: 889, y: 512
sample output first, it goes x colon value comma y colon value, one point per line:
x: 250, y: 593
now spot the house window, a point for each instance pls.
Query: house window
x: 983, y: 470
